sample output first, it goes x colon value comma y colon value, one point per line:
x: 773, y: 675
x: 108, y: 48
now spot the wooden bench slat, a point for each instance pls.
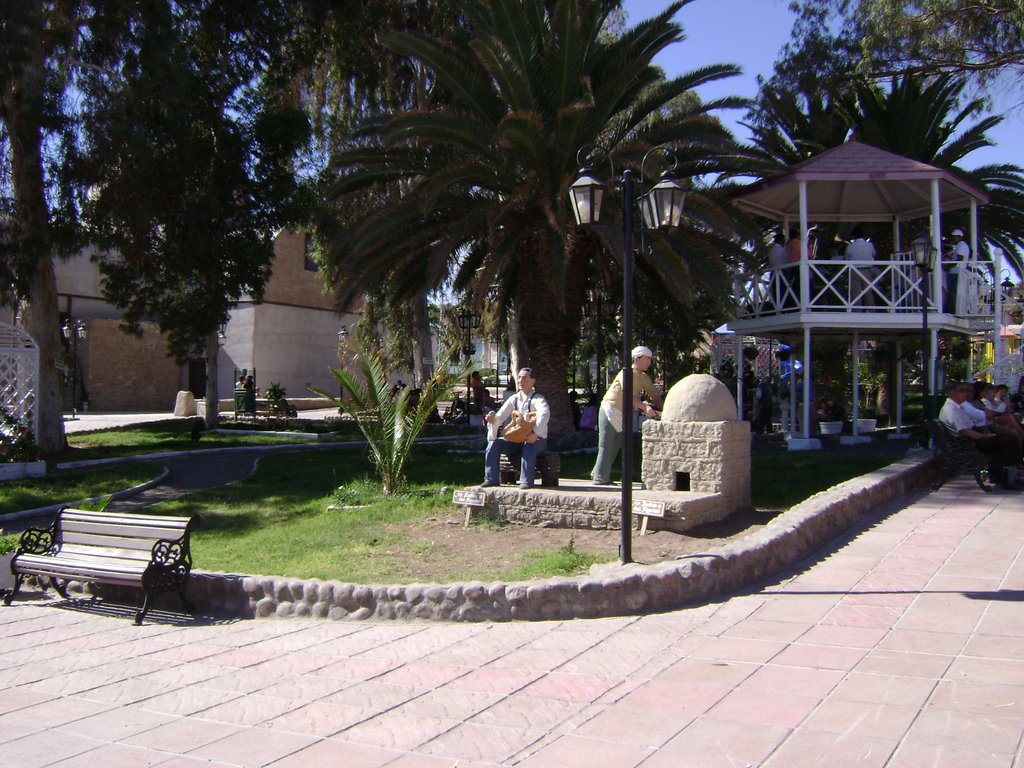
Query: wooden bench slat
x: 144, y: 544
x: 135, y: 531
x: 104, y: 550
x: 124, y: 517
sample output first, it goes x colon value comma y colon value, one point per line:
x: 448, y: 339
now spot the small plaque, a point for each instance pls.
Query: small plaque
x: 649, y: 508
x: 469, y: 498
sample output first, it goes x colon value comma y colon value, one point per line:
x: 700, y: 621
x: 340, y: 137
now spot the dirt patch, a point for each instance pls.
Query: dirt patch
x: 440, y: 542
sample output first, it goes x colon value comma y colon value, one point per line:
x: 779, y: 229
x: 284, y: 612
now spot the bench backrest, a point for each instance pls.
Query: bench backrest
x: 126, y: 536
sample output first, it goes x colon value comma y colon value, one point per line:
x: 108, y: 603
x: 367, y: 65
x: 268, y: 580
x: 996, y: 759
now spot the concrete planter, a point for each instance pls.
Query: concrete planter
x: 864, y: 426
x: 830, y: 427
x: 16, y: 470
x: 6, y: 577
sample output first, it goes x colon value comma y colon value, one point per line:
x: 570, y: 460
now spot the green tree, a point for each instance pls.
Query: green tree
x: 188, y: 159
x: 482, y: 177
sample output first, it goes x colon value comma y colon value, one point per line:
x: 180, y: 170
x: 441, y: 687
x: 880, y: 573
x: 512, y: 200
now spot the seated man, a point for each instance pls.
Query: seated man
x: 1004, y: 453
x: 526, y: 400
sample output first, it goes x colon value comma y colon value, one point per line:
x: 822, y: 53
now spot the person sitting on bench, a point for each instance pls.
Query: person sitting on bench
x: 1003, y: 450
x: 526, y: 400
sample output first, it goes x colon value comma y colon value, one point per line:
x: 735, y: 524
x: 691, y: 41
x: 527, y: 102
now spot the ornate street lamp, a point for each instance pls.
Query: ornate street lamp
x: 924, y: 259
x: 468, y: 322
x: 661, y: 207
x: 73, y: 330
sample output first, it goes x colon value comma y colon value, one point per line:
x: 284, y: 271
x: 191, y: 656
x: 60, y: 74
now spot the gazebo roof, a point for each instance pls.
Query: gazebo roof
x: 858, y: 182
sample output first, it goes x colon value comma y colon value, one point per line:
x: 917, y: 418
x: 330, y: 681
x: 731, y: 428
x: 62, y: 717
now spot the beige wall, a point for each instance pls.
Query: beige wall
x: 291, y: 283
x: 125, y: 372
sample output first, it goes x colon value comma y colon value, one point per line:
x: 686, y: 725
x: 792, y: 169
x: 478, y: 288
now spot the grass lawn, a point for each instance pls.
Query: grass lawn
x: 16, y: 495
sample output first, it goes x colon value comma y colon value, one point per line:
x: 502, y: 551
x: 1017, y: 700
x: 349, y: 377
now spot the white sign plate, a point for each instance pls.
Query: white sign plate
x: 649, y: 508
x: 469, y: 498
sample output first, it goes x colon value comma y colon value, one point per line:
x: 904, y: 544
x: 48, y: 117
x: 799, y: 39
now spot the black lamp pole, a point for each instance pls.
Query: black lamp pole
x: 73, y: 330
x: 661, y: 207
x: 923, y: 253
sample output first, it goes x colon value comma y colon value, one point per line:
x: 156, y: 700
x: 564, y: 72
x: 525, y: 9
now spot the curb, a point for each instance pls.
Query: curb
x: 607, y: 591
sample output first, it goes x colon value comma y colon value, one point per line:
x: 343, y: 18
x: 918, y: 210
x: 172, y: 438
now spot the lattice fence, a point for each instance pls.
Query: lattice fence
x: 19, y: 376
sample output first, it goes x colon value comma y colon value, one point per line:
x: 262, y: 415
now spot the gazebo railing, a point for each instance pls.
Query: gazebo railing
x: 872, y: 286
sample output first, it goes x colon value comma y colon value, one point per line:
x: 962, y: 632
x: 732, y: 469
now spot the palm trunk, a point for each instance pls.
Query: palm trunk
x: 422, y: 350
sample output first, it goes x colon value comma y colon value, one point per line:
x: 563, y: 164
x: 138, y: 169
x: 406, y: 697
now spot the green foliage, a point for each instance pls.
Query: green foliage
x: 276, y: 402
x: 16, y: 440
x: 388, y: 421
x: 564, y: 561
x: 8, y: 543
x: 67, y: 487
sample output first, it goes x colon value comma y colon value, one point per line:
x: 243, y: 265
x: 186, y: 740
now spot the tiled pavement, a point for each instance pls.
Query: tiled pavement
x: 902, y: 646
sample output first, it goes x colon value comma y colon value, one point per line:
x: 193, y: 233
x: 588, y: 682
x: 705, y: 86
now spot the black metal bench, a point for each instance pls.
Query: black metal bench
x: 147, y: 551
x: 549, y: 464
x: 956, y: 454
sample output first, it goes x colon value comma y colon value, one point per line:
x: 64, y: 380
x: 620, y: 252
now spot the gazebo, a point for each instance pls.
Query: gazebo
x: 19, y: 376
x: 881, y: 299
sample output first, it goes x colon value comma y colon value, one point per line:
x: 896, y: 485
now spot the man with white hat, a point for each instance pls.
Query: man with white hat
x: 957, y: 256
x: 609, y: 419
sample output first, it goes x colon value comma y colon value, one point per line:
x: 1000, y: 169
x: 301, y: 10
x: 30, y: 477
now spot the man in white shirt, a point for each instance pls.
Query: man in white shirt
x: 861, y: 250
x: 1005, y: 456
x: 528, y: 401
x: 959, y: 255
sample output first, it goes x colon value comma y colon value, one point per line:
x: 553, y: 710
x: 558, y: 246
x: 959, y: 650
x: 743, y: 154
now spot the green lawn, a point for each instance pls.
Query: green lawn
x: 61, y: 487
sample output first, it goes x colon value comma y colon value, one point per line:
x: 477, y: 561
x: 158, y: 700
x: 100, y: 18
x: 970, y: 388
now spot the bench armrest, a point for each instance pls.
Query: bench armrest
x: 39, y: 541
x: 171, y: 553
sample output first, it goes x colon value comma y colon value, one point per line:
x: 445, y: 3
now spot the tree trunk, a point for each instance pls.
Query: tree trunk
x: 212, y: 395
x: 21, y: 107
x: 422, y: 351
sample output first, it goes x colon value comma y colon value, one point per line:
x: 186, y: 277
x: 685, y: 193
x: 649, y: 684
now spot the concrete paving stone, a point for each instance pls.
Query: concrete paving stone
x: 356, y: 669
x: 418, y: 674
x: 249, y: 710
x: 882, y: 721
x: 812, y: 749
x: 13, y: 699
x: 492, y: 680
x: 569, y: 687
x: 55, y: 712
x: 967, y: 730
x: 843, y: 636
x: 578, y: 752
x: 235, y: 680
x: 182, y: 735
x: 982, y: 698
x: 751, y: 705
x: 187, y: 701
x: 450, y: 704
x: 799, y: 681
x: 481, y: 743
x: 117, y: 724
x: 974, y: 670
x: 922, y: 641
x: 675, y: 699
x: 319, y: 718
x: 884, y: 689
x: 40, y: 749
x: 9, y: 731
x: 527, y: 714
x: 707, y: 672
x: 373, y: 696
x: 758, y: 629
x: 820, y: 656
x: 927, y: 665
x: 737, y: 649
x: 987, y: 646
x: 391, y: 730
x: 631, y: 725
x: 862, y: 616
x: 916, y: 754
x: 253, y: 747
x: 303, y: 689
x: 338, y: 753
x: 114, y: 756
x: 712, y: 743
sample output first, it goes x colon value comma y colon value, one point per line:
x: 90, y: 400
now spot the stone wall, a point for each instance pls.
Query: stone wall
x: 128, y: 373
x: 609, y: 590
x: 716, y: 455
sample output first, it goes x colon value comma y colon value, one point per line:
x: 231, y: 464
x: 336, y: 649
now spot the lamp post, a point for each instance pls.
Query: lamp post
x: 661, y: 207
x: 924, y: 259
x: 73, y: 330
x: 468, y: 321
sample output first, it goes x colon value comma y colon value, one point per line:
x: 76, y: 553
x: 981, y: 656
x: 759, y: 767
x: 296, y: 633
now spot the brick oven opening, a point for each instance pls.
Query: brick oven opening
x: 682, y: 481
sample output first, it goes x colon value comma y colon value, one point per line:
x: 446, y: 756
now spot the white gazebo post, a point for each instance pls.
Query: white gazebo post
x: 805, y: 267
x: 997, y: 325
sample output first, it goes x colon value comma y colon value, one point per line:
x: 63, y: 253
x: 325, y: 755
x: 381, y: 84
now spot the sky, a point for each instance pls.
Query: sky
x: 750, y: 33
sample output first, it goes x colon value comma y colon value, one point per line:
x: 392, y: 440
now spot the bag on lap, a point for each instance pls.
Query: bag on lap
x: 520, y: 427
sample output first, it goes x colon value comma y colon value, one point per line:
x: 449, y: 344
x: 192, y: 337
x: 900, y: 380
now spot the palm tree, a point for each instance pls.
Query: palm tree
x: 523, y: 85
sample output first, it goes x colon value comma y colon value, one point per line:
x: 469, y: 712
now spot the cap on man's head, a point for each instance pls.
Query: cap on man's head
x: 642, y: 351
x: 958, y: 233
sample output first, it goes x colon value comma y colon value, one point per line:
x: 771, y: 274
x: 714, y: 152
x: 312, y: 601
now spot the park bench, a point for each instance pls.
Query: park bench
x: 956, y: 454
x: 136, y: 550
x: 549, y: 464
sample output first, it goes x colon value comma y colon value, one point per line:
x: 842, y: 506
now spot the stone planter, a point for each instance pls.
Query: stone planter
x: 830, y: 427
x: 6, y: 577
x: 16, y: 470
x: 865, y: 426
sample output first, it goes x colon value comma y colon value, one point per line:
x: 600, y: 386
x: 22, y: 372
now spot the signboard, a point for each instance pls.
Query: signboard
x: 649, y: 508
x: 469, y: 498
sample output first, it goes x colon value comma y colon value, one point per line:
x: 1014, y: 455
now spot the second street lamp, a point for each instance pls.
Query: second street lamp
x: 661, y: 207
x: 468, y: 321
x: 73, y: 330
x: 924, y: 258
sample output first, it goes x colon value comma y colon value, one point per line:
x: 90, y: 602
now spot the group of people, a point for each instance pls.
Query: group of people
x: 860, y: 249
x: 528, y: 402
x: 990, y: 417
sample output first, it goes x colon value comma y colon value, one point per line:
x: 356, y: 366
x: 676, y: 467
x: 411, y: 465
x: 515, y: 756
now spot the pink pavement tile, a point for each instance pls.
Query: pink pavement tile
x: 759, y: 629
x: 920, y: 641
x: 495, y: 680
x: 356, y: 669
x: 737, y: 649
x: 374, y: 697
x: 581, y: 688
x: 681, y: 700
x: 114, y: 756
x: 884, y: 689
x: 893, y: 601
x: 41, y: 749
x: 707, y: 672
x: 117, y: 724
x: 450, y: 703
x: 795, y: 606
x: 927, y: 665
x: 820, y: 656
x: 318, y: 718
x: 981, y: 670
x: 962, y: 619
x: 71, y: 683
x: 55, y: 712
x: 249, y: 710
x: 967, y: 730
x: 303, y: 689
x: 182, y: 735
x: 917, y: 754
x: 577, y: 752
x: 183, y: 761
x: 392, y: 730
x: 528, y: 714
x: 982, y: 698
x: 12, y: 699
x: 241, y: 657
x: 813, y: 749
x: 481, y: 743
x: 417, y: 674
x: 883, y: 721
x: 338, y: 753
x: 801, y: 681
x: 253, y: 747
x: 630, y: 725
x: 187, y: 701
x: 988, y: 646
x: 845, y: 636
x: 782, y: 710
x: 848, y: 614
x: 712, y: 743
x: 11, y: 731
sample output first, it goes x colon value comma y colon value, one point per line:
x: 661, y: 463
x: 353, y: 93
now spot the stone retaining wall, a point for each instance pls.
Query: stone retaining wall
x: 609, y: 590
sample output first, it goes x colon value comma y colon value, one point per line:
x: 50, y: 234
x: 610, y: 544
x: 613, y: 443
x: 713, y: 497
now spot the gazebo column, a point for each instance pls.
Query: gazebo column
x: 899, y: 387
x: 805, y: 442
x: 805, y: 268
x: 739, y: 377
x: 856, y: 437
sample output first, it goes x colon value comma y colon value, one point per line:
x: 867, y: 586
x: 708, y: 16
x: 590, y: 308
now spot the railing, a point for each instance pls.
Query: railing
x: 871, y: 286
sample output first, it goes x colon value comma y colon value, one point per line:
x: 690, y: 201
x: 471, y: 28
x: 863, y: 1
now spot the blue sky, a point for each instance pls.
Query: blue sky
x: 750, y: 33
